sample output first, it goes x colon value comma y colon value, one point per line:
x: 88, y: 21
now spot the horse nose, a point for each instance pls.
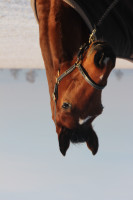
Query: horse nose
x: 104, y: 56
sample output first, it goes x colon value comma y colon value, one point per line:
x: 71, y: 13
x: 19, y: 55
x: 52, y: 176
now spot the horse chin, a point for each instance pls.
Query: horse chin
x: 82, y: 133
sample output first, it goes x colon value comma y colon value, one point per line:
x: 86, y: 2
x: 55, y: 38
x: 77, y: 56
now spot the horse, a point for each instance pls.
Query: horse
x: 78, y: 70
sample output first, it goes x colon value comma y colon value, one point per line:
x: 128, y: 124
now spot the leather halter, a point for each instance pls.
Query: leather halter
x: 78, y: 65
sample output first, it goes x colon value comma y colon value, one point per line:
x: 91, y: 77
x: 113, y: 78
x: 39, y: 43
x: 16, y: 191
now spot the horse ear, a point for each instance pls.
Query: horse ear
x: 92, y: 141
x: 64, y: 140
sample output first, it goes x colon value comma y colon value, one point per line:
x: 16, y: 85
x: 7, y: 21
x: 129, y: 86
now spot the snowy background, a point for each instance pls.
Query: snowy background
x: 19, y: 38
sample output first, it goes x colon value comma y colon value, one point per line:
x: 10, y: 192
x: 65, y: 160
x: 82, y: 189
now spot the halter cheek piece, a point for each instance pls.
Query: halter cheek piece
x: 78, y: 65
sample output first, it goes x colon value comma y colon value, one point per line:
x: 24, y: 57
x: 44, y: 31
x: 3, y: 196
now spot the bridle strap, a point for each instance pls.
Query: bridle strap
x: 68, y: 71
x: 84, y: 74
x: 88, y: 78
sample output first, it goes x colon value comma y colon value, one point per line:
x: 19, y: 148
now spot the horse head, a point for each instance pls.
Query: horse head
x: 79, y: 102
x: 77, y: 96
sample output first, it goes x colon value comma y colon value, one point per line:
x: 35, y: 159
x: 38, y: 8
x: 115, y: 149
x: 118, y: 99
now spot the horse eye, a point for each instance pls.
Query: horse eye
x: 66, y: 105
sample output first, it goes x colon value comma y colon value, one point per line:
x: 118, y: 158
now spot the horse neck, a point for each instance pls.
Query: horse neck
x: 43, y: 10
x: 62, y: 32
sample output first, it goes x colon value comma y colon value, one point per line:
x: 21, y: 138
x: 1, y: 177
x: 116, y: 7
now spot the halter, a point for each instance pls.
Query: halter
x: 78, y: 63
x: 79, y: 66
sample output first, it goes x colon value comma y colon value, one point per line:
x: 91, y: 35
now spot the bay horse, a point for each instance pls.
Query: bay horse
x: 76, y: 77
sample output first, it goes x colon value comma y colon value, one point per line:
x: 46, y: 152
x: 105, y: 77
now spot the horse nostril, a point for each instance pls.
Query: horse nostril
x: 102, y: 59
x: 99, y: 59
x: 104, y: 56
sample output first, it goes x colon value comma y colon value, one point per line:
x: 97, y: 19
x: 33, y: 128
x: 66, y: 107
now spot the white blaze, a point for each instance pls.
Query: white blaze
x: 82, y: 121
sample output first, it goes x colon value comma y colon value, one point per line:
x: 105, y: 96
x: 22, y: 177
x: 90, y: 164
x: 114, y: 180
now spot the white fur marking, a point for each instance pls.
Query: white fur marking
x: 101, y: 77
x: 82, y: 121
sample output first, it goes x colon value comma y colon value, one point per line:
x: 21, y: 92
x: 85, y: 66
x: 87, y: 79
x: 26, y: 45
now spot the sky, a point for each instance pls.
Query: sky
x: 31, y: 165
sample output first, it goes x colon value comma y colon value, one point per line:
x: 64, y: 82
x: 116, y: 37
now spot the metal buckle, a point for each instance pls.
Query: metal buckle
x: 92, y: 36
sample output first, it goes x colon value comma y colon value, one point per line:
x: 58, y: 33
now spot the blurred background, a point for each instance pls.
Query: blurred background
x: 31, y: 165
